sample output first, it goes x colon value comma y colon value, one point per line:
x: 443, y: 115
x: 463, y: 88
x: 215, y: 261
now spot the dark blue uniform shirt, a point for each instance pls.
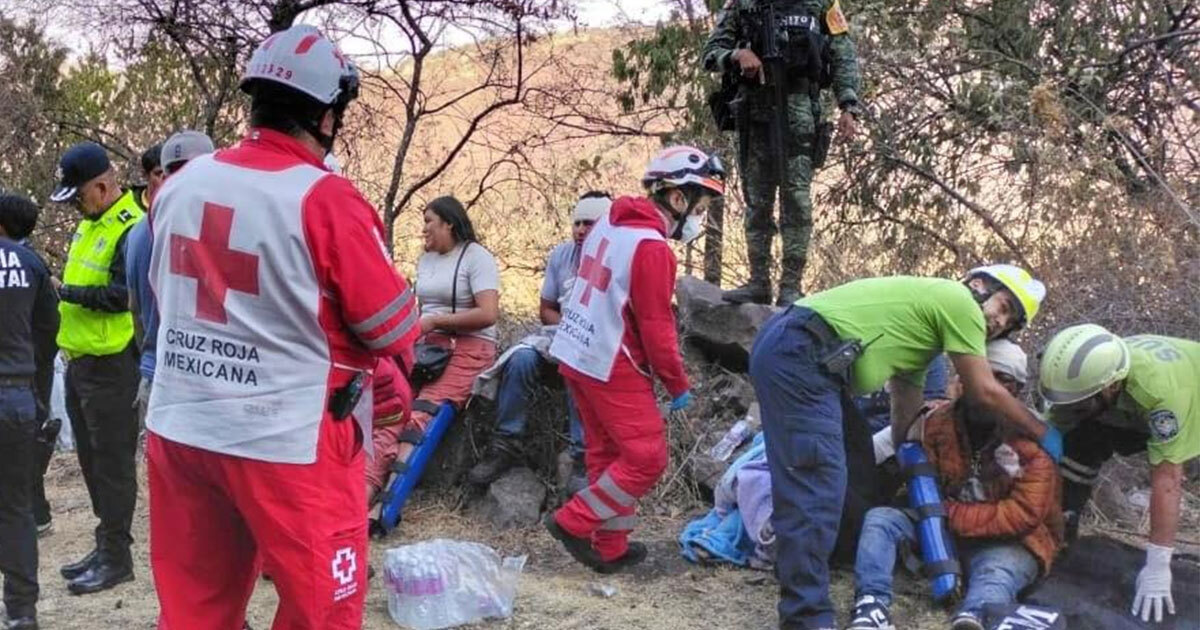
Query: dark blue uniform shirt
x: 28, y: 317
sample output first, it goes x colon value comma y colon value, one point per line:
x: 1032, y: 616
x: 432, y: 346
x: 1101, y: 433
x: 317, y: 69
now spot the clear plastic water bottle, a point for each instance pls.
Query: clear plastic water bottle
x: 738, y: 433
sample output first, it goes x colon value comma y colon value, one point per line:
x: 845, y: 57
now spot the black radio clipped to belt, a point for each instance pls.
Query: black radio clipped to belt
x: 838, y: 360
x: 838, y: 354
x: 346, y: 397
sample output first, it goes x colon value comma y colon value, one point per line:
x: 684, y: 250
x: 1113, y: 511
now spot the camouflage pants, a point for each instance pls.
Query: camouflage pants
x: 759, y: 184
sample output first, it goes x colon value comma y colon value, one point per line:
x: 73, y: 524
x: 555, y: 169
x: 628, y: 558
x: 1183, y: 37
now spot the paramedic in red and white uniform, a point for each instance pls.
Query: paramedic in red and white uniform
x: 275, y: 293
x: 618, y: 329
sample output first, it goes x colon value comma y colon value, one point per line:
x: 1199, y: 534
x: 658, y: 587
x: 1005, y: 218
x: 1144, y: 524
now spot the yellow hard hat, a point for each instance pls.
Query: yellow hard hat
x: 1028, y: 291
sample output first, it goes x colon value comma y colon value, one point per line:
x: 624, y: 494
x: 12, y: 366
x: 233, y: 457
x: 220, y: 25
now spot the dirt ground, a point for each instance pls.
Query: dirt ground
x: 665, y: 593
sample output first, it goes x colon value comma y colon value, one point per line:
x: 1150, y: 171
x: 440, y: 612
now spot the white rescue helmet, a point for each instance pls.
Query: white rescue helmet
x: 681, y: 165
x: 301, y: 58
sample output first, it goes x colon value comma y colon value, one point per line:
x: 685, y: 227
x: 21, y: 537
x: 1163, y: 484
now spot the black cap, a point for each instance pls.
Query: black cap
x: 79, y: 165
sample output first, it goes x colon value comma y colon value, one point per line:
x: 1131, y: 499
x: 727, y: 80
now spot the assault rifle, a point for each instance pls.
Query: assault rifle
x: 775, y: 72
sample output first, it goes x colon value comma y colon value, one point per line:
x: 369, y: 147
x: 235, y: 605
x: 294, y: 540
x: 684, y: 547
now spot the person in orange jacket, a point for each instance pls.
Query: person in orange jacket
x: 1003, y: 503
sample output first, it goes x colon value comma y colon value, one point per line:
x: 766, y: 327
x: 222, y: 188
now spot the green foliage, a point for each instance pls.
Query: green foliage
x: 663, y: 70
x: 1056, y: 133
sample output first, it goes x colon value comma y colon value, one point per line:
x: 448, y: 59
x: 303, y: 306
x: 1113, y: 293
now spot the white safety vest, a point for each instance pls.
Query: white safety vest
x: 592, y: 330
x: 243, y: 363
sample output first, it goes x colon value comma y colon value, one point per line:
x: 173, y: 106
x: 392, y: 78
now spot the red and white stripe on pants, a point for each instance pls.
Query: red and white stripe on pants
x: 215, y: 518
x: 626, y: 455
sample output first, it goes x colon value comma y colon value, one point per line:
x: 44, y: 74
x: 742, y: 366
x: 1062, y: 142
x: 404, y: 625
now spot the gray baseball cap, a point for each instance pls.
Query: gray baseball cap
x: 182, y: 147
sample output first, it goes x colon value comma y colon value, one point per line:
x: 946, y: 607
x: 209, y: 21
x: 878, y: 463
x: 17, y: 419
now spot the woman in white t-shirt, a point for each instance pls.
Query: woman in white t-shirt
x: 458, y: 311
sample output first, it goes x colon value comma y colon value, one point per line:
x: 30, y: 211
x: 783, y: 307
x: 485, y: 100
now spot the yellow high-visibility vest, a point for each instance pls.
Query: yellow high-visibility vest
x: 84, y: 330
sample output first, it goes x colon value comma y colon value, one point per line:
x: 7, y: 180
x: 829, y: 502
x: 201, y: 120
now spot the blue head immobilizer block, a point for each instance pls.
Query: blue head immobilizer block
x: 409, y: 473
x: 933, y: 534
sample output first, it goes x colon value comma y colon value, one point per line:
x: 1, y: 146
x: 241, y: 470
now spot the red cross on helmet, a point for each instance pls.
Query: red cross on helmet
x: 682, y: 165
x: 301, y: 58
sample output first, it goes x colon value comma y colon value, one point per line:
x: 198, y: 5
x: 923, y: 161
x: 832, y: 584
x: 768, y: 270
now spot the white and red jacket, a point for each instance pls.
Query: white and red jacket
x: 274, y: 288
x: 623, y: 292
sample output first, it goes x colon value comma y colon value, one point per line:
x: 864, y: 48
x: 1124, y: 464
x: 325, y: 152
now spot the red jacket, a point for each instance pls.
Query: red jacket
x: 649, y: 317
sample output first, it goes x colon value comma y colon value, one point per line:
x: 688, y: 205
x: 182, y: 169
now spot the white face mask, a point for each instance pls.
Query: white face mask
x: 692, y: 227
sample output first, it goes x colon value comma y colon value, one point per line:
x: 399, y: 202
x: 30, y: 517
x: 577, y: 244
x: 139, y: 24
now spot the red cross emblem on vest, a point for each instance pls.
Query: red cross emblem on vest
x: 594, y: 273
x: 216, y: 268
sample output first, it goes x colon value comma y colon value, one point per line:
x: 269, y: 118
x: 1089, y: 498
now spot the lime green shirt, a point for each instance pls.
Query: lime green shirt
x: 1162, y: 394
x: 906, y: 320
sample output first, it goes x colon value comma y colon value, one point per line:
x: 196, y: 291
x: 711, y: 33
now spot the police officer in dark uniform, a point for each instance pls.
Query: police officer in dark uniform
x: 28, y: 324
x: 96, y: 335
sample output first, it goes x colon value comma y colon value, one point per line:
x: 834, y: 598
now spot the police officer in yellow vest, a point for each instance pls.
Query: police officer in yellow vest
x: 96, y: 334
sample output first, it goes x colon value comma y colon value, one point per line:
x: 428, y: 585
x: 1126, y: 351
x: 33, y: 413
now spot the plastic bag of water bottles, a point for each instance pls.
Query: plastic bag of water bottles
x: 446, y: 583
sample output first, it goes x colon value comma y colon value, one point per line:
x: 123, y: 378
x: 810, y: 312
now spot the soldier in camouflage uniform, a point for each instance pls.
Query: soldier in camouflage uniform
x: 730, y: 49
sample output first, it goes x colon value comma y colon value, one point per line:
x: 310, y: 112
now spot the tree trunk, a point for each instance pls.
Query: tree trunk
x: 714, y: 241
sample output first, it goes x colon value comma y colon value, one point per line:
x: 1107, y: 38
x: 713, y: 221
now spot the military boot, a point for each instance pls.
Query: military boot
x: 791, y: 269
x: 756, y: 291
x: 788, y: 296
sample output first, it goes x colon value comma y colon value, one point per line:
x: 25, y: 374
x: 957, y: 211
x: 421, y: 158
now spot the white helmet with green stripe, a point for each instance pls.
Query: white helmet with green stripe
x: 1079, y: 362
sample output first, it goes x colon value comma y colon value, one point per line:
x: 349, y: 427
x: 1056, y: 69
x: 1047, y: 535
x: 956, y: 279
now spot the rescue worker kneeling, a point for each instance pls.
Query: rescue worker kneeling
x: 617, y: 329
x: 1001, y: 496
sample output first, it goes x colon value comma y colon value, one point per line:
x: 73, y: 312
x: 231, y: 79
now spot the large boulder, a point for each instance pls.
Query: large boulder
x: 722, y: 332
x: 513, y: 500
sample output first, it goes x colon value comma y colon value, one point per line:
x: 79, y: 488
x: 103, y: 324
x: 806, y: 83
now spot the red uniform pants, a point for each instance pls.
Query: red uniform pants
x: 626, y: 455
x: 213, y: 517
x: 471, y: 356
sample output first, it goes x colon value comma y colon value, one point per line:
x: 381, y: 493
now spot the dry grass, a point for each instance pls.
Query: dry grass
x: 666, y: 593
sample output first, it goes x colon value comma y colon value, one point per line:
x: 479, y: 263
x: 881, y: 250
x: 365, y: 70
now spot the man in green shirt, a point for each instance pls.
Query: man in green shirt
x: 852, y: 339
x: 1112, y: 394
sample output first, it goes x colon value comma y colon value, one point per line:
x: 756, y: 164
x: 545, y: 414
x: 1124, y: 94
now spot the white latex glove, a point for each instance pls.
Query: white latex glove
x: 1154, y: 585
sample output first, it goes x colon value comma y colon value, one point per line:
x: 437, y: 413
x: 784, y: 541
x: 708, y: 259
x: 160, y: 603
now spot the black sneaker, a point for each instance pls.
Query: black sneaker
x: 870, y: 614
x: 636, y: 553
x: 497, y: 460
x: 579, y: 548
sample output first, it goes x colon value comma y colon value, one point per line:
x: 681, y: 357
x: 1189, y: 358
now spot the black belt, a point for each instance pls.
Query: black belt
x: 821, y: 330
x: 16, y: 381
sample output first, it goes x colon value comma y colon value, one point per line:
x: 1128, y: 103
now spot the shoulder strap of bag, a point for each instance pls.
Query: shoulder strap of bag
x: 454, y: 285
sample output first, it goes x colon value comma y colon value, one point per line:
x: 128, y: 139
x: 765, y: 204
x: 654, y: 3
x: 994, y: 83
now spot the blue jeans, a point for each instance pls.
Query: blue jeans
x: 996, y: 571
x: 802, y: 418
x: 518, y: 384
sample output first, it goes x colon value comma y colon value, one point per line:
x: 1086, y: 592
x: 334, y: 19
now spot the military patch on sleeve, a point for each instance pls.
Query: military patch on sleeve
x: 125, y: 216
x: 835, y: 20
x: 1164, y: 425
